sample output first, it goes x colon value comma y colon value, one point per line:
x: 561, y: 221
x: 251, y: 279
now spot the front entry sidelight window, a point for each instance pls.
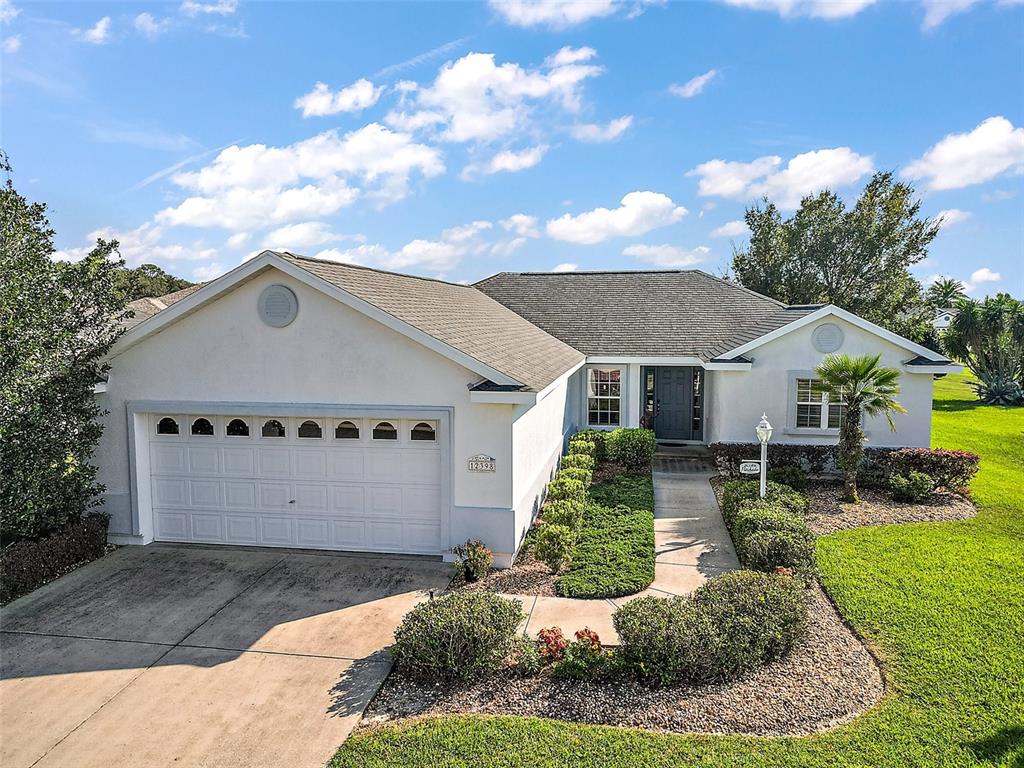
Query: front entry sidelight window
x: 604, y: 396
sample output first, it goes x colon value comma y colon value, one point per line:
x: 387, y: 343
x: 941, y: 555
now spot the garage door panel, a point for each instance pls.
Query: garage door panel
x: 326, y: 493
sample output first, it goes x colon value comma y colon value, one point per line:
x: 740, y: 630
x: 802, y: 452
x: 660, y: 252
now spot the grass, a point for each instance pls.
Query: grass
x: 943, y: 603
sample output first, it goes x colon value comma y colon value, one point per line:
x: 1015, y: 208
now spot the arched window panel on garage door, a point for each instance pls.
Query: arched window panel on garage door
x: 273, y: 428
x: 167, y: 425
x: 385, y: 430
x: 202, y: 427
x: 310, y: 429
x: 346, y: 430
x: 423, y: 431
x: 237, y: 428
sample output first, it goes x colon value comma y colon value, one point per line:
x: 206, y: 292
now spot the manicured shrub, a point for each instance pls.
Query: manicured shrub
x: 760, y: 616
x: 736, y: 492
x: 729, y: 627
x: 633, y: 491
x: 584, y: 658
x: 582, y: 447
x: 597, y: 437
x: 765, y: 515
x: 552, y: 644
x: 579, y: 460
x: 767, y: 550
x: 632, y: 447
x: 614, y: 554
x: 554, y: 546
x: 789, y: 474
x: 460, y: 636
x: 913, y: 487
x: 950, y: 470
x: 815, y: 460
x: 565, y: 512
x: 474, y: 560
x: 28, y: 564
x: 566, y: 488
x: 577, y: 473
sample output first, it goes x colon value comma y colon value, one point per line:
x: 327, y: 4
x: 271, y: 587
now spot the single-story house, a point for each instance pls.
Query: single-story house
x: 295, y: 402
x: 943, y: 318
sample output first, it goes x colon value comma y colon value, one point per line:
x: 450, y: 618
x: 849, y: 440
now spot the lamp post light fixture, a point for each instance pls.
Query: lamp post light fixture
x: 764, y: 434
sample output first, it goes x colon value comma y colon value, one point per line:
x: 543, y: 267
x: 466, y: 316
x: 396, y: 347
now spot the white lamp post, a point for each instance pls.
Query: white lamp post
x: 764, y: 434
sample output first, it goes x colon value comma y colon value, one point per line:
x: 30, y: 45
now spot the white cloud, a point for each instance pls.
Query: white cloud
x: 359, y: 255
x: 220, y: 8
x: 937, y: 11
x: 11, y: 44
x: 566, y: 267
x: 959, y: 160
x: 984, y: 275
x: 238, y: 239
x: 508, y: 161
x: 556, y: 14
x: 425, y: 254
x: 255, y: 185
x: 97, y: 34
x: 952, y: 217
x: 804, y: 174
x: 508, y: 247
x: 298, y: 237
x: 998, y: 195
x: 208, y: 272
x: 8, y: 11
x: 146, y: 25
x: 475, y: 99
x: 693, y: 86
x: 820, y: 9
x: 322, y: 101
x: 466, y: 232
x: 735, y: 228
x: 637, y: 214
x: 595, y: 133
x: 669, y: 256
x: 142, y: 245
x: 522, y: 224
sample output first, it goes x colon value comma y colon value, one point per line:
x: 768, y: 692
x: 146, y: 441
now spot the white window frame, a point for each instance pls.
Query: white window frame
x: 619, y: 397
x: 793, y: 403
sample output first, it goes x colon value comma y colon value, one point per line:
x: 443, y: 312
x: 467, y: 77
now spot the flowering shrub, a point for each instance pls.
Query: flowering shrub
x: 584, y: 659
x: 474, y: 560
x: 951, y: 470
x: 552, y: 644
x: 587, y: 635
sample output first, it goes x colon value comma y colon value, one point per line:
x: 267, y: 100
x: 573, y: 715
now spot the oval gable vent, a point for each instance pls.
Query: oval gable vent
x: 277, y: 306
x: 827, y: 337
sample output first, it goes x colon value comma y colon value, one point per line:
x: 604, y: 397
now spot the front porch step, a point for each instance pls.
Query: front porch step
x: 682, y: 451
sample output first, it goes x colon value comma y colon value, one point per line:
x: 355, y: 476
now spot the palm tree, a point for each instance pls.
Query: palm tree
x: 945, y: 292
x: 862, y: 387
x: 988, y: 337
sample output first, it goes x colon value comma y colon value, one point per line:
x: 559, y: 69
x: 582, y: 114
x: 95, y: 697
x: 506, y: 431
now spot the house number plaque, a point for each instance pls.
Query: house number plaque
x: 480, y: 463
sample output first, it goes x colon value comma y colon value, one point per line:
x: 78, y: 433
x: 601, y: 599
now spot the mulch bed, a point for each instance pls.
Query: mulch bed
x: 829, y: 513
x: 825, y: 682
x: 527, y: 576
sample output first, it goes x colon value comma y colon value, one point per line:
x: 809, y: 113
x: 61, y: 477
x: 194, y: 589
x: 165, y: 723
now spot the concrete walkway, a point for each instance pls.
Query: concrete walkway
x: 691, y: 544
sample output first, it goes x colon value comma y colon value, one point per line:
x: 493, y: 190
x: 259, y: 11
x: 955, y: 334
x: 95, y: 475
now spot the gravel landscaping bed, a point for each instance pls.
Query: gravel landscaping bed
x: 825, y: 682
x: 527, y: 576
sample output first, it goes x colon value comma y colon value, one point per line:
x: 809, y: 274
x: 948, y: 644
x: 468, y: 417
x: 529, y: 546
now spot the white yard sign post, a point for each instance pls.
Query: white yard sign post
x: 764, y: 434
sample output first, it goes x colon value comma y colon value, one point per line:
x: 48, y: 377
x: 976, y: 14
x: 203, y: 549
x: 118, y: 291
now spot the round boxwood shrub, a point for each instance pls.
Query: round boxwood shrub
x: 736, y: 492
x: 554, y: 546
x: 566, y: 488
x: 913, y: 487
x: 595, y: 436
x: 579, y: 460
x: 768, y: 550
x: 633, y: 447
x: 764, y: 515
x: 577, y: 473
x: 461, y: 636
x: 567, y: 512
x: 582, y: 447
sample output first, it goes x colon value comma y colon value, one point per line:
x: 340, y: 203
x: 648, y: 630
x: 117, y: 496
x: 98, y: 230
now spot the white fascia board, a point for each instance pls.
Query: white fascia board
x: 269, y: 259
x: 834, y: 311
x: 937, y: 368
x: 727, y: 366
x: 506, y: 398
x: 643, y: 360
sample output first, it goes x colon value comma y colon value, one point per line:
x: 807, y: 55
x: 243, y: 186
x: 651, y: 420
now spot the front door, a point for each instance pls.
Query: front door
x: 673, y: 416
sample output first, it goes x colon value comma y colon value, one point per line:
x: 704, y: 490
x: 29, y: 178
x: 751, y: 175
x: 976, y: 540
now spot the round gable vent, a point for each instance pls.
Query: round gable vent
x: 277, y: 306
x: 827, y: 337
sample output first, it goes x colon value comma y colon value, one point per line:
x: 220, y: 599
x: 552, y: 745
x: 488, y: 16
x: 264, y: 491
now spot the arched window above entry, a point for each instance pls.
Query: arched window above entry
x: 385, y: 430
x: 422, y: 431
x: 346, y: 430
x: 202, y: 426
x: 310, y: 429
x: 237, y: 428
x: 273, y: 428
x: 167, y: 426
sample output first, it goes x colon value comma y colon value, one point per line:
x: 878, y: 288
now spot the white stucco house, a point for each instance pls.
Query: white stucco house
x: 303, y: 403
x: 943, y: 317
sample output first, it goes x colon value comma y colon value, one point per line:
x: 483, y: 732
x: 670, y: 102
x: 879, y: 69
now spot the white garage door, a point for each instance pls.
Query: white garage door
x: 324, y: 483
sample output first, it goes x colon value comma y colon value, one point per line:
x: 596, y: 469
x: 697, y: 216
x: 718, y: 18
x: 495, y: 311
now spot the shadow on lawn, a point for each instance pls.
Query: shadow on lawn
x: 1000, y: 745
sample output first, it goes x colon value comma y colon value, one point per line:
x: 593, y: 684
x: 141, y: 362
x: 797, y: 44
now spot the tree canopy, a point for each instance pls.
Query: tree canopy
x: 945, y: 292
x: 149, y: 280
x: 857, y: 258
x: 988, y: 337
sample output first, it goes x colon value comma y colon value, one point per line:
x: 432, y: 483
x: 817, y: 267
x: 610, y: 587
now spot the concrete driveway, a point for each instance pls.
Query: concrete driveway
x: 200, y: 656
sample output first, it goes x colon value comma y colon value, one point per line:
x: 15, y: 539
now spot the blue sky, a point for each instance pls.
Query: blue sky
x: 458, y: 140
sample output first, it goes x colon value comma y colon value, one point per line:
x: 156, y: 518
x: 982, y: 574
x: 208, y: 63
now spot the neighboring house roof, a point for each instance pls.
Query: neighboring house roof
x: 642, y: 313
x: 146, y: 307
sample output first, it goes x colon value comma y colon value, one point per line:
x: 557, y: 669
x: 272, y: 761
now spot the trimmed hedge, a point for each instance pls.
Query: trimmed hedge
x: 771, y: 532
x: 576, y: 473
x: 566, y: 488
x: 26, y: 565
x: 578, y: 461
x: 460, y: 636
x: 597, y: 437
x: 614, y: 554
x: 565, y: 512
x: 951, y: 470
x: 581, y: 447
x: 632, y: 447
x: 736, y: 492
x: 728, y: 627
x: 914, y: 487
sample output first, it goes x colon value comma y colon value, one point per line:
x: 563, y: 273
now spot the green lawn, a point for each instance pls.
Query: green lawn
x: 943, y: 603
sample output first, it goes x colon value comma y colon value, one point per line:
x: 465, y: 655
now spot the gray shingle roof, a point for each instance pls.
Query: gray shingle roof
x: 458, y: 315
x: 146, y: 307
x: 649, y: 313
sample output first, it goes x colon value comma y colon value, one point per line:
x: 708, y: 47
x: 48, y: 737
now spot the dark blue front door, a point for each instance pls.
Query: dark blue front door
x: 673, y: 388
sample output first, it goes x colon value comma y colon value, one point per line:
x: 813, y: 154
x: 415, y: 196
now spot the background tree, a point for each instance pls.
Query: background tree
x: 945, y: 292
x: 56, y: 324
x: 865, y: 389
x: 988, y: 337
x: 149, y: 280
x: 857, y: 258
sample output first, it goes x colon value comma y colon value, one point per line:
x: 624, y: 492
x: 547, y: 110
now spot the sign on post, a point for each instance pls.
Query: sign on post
x: 750, y: 467
x: 480, y: 463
